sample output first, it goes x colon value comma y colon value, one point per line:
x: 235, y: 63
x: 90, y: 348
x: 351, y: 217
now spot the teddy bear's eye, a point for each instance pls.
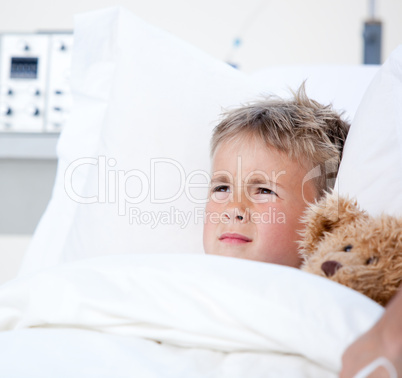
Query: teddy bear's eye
x: 371, y: 260
x: 348, y: 248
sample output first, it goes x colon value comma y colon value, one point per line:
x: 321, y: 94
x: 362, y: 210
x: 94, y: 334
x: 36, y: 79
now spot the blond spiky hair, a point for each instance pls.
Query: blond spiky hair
x: 306, y: 131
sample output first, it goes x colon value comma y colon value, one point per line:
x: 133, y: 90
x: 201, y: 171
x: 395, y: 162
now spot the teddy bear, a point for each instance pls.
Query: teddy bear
x: 347, y: 245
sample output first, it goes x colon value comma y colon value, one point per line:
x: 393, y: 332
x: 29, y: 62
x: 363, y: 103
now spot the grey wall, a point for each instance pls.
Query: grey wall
x: 273, y: 32
x: 25, y: 190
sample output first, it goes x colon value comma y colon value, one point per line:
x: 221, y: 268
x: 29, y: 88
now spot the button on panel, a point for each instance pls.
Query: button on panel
x: 60, y: 100
x: 33, y: 81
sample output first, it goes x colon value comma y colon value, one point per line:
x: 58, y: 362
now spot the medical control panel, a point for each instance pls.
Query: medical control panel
x: 35, y: 94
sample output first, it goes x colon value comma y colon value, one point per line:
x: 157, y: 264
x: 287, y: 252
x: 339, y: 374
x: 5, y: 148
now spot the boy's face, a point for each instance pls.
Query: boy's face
x: 255, y: 203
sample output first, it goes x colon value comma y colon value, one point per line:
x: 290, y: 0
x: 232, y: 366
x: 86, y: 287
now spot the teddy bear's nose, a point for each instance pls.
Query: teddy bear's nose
x: 330, y: 267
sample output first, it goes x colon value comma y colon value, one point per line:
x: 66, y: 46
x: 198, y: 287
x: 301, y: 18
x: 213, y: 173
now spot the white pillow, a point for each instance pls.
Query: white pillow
x: 371, y: 168
x: 139, y: 94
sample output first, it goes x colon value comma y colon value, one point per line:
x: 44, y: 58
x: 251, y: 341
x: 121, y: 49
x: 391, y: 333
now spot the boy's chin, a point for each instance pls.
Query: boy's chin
x: 227, y: 252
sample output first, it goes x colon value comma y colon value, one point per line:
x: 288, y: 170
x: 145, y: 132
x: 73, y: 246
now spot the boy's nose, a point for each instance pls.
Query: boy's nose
x: 237, y: 213
x: 237, y: 209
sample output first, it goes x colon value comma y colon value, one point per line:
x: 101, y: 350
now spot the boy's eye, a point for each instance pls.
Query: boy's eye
x: 220, y: 193
x: 265, y: 191
x: 262, y: 194
x: 221, y: 188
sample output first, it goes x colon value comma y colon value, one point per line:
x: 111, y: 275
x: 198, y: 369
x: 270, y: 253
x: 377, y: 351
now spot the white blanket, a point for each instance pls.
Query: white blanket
x: 173, y: 315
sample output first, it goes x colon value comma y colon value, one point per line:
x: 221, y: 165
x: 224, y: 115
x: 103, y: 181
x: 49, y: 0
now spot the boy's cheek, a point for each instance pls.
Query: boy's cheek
x: 213, y: 213
x: 208, y: 237
x: 209, y: 206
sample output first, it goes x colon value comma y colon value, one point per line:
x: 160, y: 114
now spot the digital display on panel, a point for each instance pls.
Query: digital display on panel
x: 24, y: 68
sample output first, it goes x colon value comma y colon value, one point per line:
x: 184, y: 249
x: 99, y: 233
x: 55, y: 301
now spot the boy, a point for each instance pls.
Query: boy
x: 265, y: 160
x: 269, y: 160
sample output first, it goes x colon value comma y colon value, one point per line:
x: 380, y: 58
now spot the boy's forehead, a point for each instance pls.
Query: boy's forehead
x: 239, y: 144
x: 249, y: 148
x: 250, y: 154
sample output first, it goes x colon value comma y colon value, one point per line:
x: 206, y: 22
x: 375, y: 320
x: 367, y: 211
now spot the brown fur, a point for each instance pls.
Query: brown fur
x: 373, y: 266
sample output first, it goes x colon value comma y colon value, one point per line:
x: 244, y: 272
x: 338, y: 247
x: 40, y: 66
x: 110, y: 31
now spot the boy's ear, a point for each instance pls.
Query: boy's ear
x: 329, y: 213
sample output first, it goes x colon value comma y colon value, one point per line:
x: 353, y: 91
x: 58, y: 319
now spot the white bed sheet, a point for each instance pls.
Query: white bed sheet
x: 214, y: 316
x: 49, y: 353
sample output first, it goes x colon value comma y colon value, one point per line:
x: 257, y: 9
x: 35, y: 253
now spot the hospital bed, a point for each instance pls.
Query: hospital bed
x: 104, y: 291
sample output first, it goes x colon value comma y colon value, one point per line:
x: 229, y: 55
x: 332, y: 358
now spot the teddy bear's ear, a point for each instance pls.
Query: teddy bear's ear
x: 330, y: 212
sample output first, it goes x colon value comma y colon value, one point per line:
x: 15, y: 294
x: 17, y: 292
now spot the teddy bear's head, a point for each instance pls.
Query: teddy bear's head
x: 345, y: 244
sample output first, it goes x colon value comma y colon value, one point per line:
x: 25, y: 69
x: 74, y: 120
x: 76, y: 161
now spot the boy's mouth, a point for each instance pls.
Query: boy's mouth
x: 234, y: 238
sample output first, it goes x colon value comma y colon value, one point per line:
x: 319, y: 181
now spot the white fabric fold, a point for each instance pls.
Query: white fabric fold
x: 216, y: 303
